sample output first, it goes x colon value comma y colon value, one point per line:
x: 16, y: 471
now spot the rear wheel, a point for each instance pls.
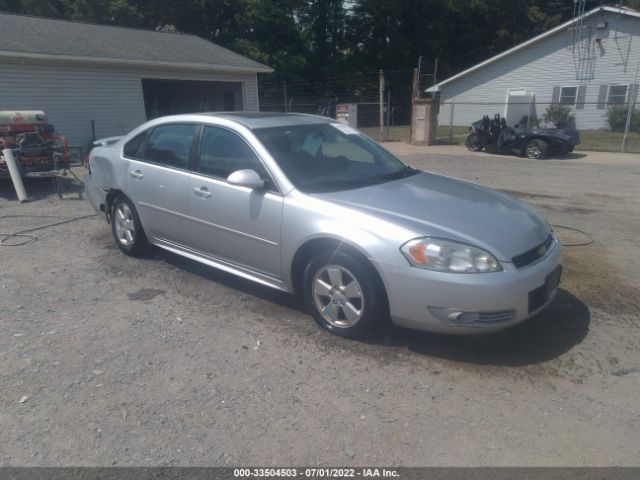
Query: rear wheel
x: 473, y: 142
x: 126, y: 228
x: 536, y: 148
x: 342, y: 294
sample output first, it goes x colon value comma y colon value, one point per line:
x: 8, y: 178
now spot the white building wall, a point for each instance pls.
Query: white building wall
x: 549, y: 63
x: 72, y: 95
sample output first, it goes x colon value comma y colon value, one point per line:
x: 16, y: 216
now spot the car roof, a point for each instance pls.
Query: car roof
x: 253, y: 120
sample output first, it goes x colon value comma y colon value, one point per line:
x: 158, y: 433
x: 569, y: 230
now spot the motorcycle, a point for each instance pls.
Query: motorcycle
x: 495, y: 136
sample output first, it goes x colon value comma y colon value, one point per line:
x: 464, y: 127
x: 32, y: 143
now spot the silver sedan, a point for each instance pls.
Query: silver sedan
x: 307, y: 205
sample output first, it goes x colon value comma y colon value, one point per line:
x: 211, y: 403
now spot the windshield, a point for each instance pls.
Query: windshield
x: 329, y: 157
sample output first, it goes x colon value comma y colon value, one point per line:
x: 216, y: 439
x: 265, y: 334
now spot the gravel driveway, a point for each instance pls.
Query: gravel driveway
x: 110, y: 360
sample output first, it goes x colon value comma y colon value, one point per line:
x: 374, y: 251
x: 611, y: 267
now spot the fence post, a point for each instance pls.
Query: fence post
x: 284, y: 91
x: 631, y: 108
x: 453, y: 104
x: 388, y: 112
x: 381, y: 79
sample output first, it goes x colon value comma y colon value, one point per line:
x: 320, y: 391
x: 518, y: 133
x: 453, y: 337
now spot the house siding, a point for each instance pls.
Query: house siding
x: 549, y: 63
x: 72, y: 95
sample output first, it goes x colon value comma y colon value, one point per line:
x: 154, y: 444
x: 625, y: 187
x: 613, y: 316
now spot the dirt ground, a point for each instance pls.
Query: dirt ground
x: 109, y: 360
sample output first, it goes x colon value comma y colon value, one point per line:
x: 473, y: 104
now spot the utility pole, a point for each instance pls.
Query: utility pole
x: 414, y: 90
x: 381, y: 133
x: 284, y: 89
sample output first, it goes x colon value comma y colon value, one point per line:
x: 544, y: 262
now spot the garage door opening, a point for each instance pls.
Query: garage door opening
x: 171, y: 97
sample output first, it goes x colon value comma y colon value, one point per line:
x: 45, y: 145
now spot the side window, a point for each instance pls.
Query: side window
x: 568, y: 95
x: 132, y: 147
x: 617, y: 94
x: 222, y: 152
x: 170, y: 144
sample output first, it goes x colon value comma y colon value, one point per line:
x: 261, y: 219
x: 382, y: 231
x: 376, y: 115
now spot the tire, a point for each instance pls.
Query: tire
x: 536, y: 148
x: 348, y: 309
x: 473, y: 142
x: 126, y: 227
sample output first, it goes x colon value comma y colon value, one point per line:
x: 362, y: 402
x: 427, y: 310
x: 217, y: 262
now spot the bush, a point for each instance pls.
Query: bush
x: 617, y: 118
x: 559, y: 115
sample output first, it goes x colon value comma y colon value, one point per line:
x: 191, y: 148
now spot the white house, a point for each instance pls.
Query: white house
x: 589, y: 63
x: 106, y: 80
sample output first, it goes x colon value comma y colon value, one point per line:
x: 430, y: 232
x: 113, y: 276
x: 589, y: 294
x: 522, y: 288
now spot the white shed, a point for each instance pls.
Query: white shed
x: 589, y: 64
x: 104, y: 80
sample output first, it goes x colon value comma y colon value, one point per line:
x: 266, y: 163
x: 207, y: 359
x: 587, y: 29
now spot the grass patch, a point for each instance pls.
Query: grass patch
x: 605, y: 141
x: 397, y: 133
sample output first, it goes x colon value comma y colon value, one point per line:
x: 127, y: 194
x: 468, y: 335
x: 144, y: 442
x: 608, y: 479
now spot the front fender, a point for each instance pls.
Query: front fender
x: 306, y: 218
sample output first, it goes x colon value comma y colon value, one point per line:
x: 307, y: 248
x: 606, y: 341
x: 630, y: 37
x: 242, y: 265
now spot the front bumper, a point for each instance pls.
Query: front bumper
x: 492, y: 301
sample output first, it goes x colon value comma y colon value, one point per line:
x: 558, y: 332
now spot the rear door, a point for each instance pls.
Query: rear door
x: 236, y: 224
x: 158, y: 179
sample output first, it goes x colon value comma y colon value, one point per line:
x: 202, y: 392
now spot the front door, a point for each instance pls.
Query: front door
x: 235, y: 224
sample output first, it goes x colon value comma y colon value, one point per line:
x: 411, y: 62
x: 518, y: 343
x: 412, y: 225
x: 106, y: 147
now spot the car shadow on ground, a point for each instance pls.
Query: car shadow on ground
x: 228, y: 280
x: 41, y: 188
x: 563, y: 325
x: 551, y: 156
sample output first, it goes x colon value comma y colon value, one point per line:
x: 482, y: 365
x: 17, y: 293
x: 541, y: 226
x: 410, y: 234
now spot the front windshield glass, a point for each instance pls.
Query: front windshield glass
x: 329, y: 157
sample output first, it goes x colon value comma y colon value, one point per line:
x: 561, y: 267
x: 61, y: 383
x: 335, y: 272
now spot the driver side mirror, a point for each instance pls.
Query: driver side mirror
x: 246, y: 178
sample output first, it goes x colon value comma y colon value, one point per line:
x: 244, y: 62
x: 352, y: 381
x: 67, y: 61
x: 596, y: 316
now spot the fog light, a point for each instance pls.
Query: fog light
x: 453, y: 316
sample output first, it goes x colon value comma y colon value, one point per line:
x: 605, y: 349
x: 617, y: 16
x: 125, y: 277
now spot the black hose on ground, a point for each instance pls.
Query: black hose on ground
x: 27, y: 235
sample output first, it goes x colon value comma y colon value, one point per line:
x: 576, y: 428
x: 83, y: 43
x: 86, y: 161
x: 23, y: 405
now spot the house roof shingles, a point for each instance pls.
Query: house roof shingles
x: 21, y: 34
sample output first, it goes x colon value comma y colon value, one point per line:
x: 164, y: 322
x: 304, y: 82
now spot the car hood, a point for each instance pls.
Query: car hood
x: 439, y: 206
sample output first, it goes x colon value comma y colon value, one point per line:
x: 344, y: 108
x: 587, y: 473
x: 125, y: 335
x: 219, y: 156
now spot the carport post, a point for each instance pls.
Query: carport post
x: 14, y: 171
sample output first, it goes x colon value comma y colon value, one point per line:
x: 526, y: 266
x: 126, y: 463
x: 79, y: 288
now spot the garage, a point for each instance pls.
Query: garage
x: 171, y: 97
x: 97, y: 81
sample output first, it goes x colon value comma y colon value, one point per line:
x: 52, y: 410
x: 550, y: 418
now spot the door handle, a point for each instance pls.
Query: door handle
x: 202, y: 192
x: 137, y: 174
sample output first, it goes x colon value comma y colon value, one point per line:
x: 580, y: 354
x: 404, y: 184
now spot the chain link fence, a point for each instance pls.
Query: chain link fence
x: 601, y: 127
x: 325, y: 96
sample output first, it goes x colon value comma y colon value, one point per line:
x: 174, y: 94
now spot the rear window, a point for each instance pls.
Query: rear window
x: 170, y: 145
x: 132, y: 147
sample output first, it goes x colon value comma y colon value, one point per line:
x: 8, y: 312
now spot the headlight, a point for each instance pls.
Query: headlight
x: 449, y: 256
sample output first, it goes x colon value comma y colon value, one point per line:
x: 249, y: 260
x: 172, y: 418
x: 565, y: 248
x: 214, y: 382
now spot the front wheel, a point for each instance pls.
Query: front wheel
x: 342, y: 294
x: 126, y: 228
x: 473, y: 142
x: 536, y: 149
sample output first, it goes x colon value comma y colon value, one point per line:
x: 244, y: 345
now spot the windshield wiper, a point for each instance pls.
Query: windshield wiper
x: 330, y: 185
x: 402, y: 173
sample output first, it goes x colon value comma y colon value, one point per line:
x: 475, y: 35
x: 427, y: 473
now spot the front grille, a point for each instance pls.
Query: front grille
x: 533, y: 255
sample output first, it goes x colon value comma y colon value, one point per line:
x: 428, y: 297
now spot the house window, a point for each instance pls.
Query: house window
x: 617, y: 94
x: 568, y: 95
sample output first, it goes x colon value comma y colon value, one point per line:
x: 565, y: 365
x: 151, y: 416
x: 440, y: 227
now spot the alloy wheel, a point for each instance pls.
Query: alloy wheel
x: 534, y: 149
x: 125, y: 226
x: 338, y: 296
